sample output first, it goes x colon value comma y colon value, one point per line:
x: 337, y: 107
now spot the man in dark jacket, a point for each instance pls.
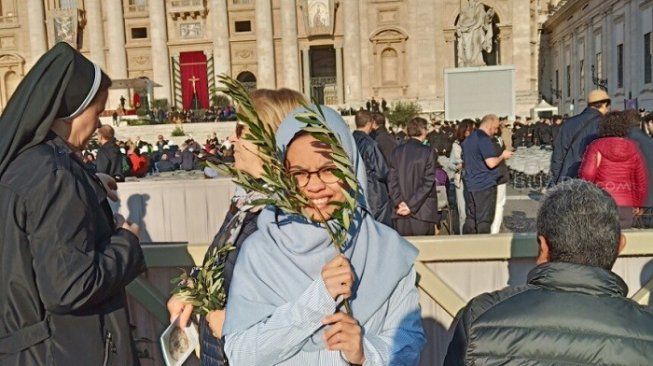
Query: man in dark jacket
x: 109, y: 158
x: 412, y: 183
x: 575, y: 135
x: 574, y: 309
x: 375, y: 167
x: 439, y: 141
x: 380, y: 134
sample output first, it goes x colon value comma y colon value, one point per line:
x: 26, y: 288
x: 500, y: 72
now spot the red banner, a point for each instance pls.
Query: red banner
x: 194, y: 79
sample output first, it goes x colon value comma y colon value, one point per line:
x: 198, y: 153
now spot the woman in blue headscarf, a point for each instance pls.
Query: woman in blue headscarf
x: 283, y: 302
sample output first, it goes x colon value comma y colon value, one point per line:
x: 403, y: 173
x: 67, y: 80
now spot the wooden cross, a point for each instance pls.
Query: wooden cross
x: 193, y: 80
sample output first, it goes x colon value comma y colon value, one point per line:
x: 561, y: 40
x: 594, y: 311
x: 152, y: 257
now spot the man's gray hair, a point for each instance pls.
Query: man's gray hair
x: 581, y: 224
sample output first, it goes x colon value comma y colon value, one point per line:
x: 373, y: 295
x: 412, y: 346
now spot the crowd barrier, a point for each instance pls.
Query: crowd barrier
x: 452, y: 269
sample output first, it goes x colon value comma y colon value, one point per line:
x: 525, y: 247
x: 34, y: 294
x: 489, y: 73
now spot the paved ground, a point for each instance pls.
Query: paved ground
x: 520, y: 210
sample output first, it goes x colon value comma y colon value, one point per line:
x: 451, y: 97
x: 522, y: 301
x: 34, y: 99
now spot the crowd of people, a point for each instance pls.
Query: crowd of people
x: 66, y: 258
x: 175, y: 115
x: 138, y: 158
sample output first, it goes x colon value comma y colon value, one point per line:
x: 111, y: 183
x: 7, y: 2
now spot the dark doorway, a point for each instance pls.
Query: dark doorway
x: 323, y: 74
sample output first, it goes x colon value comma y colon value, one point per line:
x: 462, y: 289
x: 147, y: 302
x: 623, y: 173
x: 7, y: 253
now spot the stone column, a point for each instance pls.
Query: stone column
x: 160, y: 53
x: 220, y: 32
x: 95, y: 27
x: 352, y: 49
x: 116, y: 40
x: 289, y: 44
x: 307, y: 72
x: 266, y: 77
x: 36, y: 24
x: 339, y: 79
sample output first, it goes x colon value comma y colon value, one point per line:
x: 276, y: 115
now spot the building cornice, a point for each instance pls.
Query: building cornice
x: 563, y: 11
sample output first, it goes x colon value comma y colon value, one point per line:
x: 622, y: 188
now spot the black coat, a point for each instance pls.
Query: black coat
x: 109, y: 160
x: 188, y: 160
x: 377, y: 178
x: 386, y: 142
x: 412, y: 180
x: 570, y: 144
x: 64, y: 265
x: 567, y: 314
x: 645, y: 144
x: 213, y: 348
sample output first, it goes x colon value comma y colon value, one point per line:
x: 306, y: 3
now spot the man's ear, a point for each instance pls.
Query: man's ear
x: 543, y: 250
x: 622, y: 243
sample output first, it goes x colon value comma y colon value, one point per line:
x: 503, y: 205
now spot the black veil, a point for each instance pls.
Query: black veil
x: 60, y: 85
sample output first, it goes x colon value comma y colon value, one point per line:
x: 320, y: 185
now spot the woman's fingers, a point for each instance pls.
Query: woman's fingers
x: 338, y: 277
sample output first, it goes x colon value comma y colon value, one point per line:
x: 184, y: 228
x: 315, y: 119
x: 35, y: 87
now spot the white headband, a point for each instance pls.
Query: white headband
x: 91, y: 93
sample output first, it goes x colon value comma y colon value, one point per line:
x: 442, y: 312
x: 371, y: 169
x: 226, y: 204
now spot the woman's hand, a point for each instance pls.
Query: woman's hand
x: 346, y: 336
x: 178, y: 308
x: 216, y: 321
x: 338, y: 277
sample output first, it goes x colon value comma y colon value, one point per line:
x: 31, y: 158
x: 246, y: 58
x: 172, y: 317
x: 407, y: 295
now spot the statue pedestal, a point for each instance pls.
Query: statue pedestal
x: 473, y: 92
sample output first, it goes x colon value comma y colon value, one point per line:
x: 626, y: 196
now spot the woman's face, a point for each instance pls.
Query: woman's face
x: 306, y: 157
x: 83, y: 126
x: 246, y: 156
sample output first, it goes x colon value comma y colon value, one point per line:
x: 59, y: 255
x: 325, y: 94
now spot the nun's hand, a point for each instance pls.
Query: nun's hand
x: 346, y: 336
x: 338, y: 277
x: 110, y: 186
x: 121, y: 223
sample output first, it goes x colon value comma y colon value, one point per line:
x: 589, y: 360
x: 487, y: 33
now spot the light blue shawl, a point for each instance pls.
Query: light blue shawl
x: 279, y: 261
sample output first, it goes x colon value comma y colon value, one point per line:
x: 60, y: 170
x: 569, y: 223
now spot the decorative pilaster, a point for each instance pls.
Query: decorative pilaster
x: 36, y: 26
x: 352, y: 52
x: 96, y: 32
x: 266, y: 77
x: 289, y: 44
x: 116, y: 40
x: 220, y: 31
x: 160, y: 53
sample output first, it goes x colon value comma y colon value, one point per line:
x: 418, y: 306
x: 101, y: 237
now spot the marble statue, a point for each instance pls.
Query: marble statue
x: 475, y: 34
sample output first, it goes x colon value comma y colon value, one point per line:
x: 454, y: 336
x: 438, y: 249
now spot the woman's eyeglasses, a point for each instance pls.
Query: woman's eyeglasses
x: 327, y: 175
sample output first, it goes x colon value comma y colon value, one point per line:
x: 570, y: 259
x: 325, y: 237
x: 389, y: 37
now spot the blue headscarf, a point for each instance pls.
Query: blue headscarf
x: 279, y: 261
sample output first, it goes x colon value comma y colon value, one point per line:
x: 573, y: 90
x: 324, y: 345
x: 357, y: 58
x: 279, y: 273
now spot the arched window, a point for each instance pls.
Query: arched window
x: 248, y: 79
x: 11, y: 83
x: 389, y: 48
x: 389, y: 66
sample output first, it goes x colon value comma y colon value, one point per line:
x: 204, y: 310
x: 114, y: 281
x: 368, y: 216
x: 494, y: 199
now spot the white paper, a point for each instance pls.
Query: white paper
x: 177, y: 343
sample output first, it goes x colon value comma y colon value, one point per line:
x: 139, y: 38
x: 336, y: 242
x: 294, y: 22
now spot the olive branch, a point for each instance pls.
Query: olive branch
x: 279, y: 188
x: 203, y: 287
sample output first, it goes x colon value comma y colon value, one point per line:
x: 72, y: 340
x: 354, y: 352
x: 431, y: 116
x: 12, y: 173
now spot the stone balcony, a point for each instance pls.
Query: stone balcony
x: 187, y: 9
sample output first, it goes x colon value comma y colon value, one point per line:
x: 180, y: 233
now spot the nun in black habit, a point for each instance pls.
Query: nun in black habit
x: 64, y: 258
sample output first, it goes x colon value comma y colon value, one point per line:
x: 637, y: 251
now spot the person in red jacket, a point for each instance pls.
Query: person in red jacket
x: 139, y: 162
x: 614, y: 163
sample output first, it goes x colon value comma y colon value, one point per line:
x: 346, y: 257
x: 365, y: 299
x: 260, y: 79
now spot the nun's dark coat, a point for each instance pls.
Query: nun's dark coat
x: 62, y: 261
x: 63, y: 265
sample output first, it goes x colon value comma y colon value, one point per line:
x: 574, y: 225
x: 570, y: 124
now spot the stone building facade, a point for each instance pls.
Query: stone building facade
x: 598, y: 43
x: 341, y: 52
